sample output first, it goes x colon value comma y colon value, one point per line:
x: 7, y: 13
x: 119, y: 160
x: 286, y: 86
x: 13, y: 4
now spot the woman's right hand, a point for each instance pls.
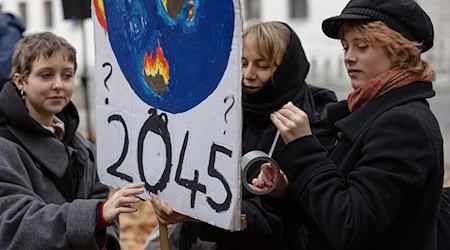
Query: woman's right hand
x: 292, y: 122
x: 165, y: 213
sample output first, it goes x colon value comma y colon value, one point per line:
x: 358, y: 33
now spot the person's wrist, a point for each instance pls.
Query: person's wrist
x: 102, y: 223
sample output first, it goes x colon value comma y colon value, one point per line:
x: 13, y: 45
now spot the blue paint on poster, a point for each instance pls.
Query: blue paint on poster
x: 173, y: 53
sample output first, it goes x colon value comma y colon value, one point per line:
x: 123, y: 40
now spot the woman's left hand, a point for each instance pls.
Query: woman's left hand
x: 165, y: 213
x: 267, y: 178
x: 292, y: 122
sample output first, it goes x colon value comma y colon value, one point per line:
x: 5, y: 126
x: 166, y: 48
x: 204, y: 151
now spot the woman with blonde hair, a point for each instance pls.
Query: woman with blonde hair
x: 274, y: 68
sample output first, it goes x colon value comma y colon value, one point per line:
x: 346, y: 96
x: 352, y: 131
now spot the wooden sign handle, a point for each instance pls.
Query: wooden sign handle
x: 163, y: 237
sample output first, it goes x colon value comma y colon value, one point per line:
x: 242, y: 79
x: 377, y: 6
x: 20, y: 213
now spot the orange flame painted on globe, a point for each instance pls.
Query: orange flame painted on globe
x: 100, y: 13
x: 191, y: 13
x: 156, y: 70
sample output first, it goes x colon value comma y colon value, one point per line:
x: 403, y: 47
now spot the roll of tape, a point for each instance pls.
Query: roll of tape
x: 248, y: 160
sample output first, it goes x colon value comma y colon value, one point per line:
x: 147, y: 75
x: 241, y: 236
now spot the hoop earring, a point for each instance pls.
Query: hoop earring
x: 23, y: 94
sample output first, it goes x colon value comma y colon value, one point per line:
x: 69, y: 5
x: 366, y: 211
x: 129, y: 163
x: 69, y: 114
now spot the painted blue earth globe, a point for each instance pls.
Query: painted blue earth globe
x: 173, y: 53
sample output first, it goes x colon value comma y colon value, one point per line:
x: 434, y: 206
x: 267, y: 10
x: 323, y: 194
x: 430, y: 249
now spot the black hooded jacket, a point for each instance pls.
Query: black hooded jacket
x: 266, y: 228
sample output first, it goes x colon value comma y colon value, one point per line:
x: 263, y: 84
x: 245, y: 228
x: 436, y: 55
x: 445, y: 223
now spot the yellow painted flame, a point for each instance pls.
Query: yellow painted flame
x: 157, y: 65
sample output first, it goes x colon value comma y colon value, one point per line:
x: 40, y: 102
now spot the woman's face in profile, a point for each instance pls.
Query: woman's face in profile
x: 362, y: 60
x: 255, y: 69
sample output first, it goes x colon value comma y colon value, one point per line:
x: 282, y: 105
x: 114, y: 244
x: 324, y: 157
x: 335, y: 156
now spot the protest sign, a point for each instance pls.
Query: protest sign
x: 168, y: 102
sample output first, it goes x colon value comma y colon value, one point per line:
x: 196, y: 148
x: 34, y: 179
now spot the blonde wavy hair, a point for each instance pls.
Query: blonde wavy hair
x: 269, y: 39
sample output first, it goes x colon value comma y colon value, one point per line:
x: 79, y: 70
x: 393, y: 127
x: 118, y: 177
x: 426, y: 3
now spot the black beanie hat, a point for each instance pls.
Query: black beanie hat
x: 404, y: 16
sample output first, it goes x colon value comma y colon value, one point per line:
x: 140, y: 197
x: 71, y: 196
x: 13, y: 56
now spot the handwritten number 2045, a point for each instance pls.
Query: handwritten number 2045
x: 157, y: 124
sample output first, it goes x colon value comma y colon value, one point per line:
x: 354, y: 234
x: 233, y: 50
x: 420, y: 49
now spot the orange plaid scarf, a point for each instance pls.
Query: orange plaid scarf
x: 378, y: 86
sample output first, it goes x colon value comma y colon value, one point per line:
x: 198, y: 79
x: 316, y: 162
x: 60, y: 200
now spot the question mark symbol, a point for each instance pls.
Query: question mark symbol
x: 107, y: 78
x: 228, y: 109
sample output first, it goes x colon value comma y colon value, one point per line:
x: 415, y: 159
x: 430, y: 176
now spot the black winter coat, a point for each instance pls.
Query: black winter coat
x: 443, y: 230
x: 381, y: 186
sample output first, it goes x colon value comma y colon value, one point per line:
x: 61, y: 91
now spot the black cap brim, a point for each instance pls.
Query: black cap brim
x: 332, y: 25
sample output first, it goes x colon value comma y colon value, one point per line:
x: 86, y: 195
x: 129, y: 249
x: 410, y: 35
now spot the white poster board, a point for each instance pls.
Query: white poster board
x: 168, y: 102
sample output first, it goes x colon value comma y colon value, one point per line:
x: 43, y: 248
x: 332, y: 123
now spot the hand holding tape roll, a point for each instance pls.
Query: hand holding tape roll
x: 268, y: 168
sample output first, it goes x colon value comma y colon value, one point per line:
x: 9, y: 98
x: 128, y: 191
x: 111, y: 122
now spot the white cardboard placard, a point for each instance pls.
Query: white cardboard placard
x: 168, y: 102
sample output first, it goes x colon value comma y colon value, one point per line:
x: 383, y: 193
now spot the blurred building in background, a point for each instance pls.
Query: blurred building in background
x: 305, y: 16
